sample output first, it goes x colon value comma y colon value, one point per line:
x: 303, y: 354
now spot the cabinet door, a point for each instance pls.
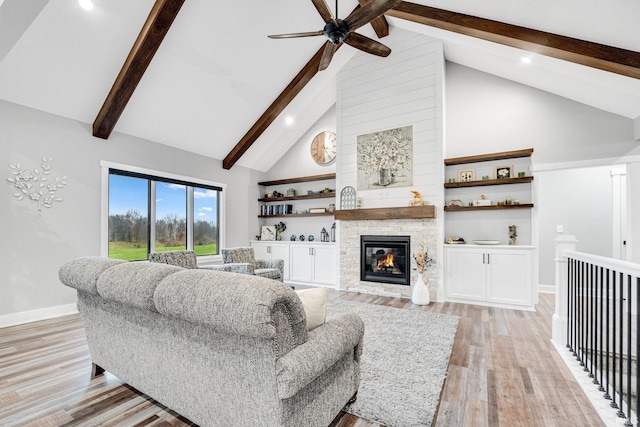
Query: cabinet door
x: 301, y: 268
x: 509, y: 279
x: 466, y: 274
x: 260, y: 250
x: 324, y: 268
x: 281, y: 251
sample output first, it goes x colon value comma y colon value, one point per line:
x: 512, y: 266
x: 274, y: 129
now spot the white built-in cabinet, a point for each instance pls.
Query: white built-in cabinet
x: 313, y: 263
x: 304, y: 263
x: 500, y: 275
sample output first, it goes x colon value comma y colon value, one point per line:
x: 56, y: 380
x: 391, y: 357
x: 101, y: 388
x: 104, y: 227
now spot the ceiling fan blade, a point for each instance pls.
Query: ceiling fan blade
x: 367, y: 45
x: 323, y: 10
x: 294, y: 35
x: 369, y: 12
x: 327, y: 55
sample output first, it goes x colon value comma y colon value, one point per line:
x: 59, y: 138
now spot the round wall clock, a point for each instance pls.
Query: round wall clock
x: 323, y: 148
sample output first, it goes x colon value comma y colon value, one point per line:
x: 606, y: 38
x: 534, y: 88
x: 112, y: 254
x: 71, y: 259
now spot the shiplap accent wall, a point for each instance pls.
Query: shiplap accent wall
x: 376, y: 94
x: 404, y: 89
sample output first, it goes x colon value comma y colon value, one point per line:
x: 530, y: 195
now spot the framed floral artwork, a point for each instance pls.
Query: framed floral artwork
x: 385, y: 158
x: 504, y: 172
x: 466, y: 175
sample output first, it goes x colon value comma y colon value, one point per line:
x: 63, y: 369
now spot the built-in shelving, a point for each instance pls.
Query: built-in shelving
x: 297, y: 215
x: 300, y: 197
x: 487, y: 208
x: 488, y: 157
x: 487, y: 182
x: 297, y: 180
x: 455, y: 161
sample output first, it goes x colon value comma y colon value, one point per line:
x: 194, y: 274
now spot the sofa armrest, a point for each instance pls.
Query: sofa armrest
x: 325, y: 346
x: 270, y: 263
x: 240, y: 267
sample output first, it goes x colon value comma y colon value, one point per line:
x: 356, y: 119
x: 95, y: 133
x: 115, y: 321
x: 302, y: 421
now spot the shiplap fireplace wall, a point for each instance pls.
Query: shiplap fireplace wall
x: 376, y: 94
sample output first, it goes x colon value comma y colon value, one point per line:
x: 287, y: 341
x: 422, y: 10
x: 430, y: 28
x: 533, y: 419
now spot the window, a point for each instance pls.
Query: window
x: 154, y: 213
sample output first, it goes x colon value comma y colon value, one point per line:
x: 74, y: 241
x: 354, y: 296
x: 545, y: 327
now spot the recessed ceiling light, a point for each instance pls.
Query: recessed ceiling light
x: 86, y: 4
x: 525, y: 60
x: 289, y: 121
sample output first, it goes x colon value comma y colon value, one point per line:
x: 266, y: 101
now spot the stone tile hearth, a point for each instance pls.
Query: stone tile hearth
x: 422, y: 231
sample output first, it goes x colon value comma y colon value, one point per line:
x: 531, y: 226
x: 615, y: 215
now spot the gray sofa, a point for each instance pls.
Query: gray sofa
x: 222, y: 349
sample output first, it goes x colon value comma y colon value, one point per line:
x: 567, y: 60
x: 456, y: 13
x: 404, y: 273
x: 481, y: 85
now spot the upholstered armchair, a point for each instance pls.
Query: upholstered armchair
x: 272, y: 269
x: 184, y: 259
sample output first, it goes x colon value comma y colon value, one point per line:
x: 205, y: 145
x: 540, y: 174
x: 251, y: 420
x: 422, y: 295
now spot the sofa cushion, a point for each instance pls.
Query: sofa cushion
x: 83, y: 273
x: 314, y: 301
x: 233, y: 303
x: 134, y: 283
x: 184, y: 259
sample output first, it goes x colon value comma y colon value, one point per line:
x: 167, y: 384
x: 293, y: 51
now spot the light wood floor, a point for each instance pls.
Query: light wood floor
x: 503, y: 372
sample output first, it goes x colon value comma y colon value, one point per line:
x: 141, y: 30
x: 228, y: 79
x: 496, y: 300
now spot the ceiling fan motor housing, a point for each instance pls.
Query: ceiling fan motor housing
x: 336, y: 31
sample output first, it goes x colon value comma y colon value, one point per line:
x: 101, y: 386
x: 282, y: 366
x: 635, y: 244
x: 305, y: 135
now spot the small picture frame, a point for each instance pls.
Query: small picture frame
x: 504, y: 172
x: 466, y: 175
x: 268, y: 232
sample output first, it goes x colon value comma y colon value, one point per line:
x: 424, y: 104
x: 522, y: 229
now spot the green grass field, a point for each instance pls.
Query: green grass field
x: 132, y: 252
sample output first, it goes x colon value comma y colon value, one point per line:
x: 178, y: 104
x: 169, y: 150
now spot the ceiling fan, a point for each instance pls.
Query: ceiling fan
x: 338, y: 31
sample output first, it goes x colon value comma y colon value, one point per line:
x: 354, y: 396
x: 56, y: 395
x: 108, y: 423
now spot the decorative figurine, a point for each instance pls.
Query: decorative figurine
x: 301, y: 237
x: 311, y: 238
x: 417, y: 199
x: 292, y: 238
x: 324, y: 236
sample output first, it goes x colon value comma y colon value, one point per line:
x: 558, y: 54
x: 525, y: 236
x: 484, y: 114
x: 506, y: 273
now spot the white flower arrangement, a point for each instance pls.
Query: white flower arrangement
x: 389, y: 150
x: 35, y: 185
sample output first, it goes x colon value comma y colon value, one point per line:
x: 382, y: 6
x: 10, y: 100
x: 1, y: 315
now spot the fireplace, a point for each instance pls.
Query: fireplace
x: 385, y: 259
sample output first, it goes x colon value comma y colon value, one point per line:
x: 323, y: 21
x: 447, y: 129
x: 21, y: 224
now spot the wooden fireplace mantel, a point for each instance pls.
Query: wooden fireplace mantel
x: 407, y: 212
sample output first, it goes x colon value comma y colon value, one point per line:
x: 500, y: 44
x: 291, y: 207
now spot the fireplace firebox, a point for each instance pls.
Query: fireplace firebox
x: 385, y: 259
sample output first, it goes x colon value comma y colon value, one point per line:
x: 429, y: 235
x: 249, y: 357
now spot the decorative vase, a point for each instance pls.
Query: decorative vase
x: 384, y: 176
x: 420, y: 293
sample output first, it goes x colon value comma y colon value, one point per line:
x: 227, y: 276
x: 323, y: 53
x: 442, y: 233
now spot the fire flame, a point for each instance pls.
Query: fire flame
x: 386, y: 262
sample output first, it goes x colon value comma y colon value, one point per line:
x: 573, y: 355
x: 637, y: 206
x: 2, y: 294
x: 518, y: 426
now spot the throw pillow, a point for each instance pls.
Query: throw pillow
x: 314, y: 302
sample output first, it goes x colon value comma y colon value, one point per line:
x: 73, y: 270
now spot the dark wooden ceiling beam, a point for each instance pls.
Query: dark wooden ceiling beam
x: 380, y: 24
x: 274, y: 110
x: 607, y: 58
x: 153, y: 32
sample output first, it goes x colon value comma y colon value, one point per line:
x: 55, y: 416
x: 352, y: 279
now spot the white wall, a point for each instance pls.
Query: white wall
x: 488, y: 114
x: 579, y: 200
x: 32, y: 249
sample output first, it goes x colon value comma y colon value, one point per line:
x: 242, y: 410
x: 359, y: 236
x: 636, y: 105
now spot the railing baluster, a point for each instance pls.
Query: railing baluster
x: 621, y: 349
x: 591, y: 322
x: 608, y: 338
x: 601, y: 347
x: 628, y: 423
x: 637, y: 345
x: 613, y: 343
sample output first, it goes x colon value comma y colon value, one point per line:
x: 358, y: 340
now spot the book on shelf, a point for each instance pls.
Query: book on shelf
x: 283, y: 209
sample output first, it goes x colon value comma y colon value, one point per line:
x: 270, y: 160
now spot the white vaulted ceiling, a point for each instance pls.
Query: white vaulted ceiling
x: 216, y: 71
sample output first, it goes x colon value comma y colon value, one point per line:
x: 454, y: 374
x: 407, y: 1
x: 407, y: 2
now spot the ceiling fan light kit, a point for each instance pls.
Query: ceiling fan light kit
x: 338, y: 31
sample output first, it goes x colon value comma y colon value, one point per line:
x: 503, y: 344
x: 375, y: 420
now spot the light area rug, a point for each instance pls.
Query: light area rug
x: 404, y: 362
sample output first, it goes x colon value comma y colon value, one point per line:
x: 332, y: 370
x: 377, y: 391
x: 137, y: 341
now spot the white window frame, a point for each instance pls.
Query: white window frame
x: 104, y: 216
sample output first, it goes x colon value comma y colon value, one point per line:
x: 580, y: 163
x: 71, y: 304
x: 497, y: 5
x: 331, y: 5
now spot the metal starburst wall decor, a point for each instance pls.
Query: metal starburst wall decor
x: 36, y: 184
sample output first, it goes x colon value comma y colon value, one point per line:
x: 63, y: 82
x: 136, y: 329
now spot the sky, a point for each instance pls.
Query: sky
x: 126, y: 193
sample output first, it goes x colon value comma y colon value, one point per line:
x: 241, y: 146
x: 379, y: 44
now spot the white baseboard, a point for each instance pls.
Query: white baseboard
x: 547, y: 289
x: 36, y: 315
